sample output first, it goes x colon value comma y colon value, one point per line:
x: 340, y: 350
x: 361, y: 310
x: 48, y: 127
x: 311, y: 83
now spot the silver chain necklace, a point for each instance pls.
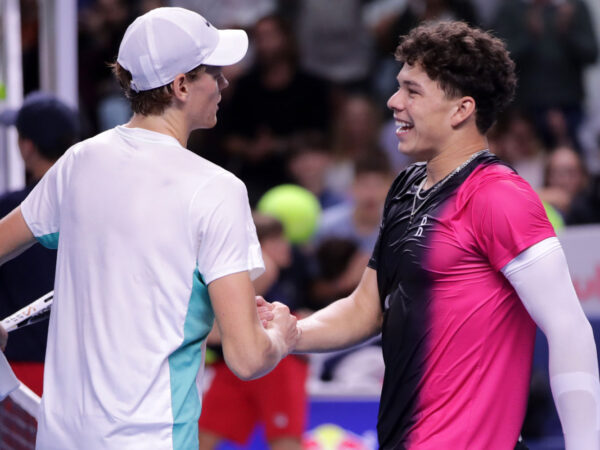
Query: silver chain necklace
x: 436, y: 187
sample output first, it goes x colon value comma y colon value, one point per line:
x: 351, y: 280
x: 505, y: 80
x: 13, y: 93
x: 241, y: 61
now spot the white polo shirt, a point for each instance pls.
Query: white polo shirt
x: 145, y: 225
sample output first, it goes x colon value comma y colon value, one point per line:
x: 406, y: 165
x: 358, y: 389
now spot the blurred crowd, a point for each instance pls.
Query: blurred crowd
x: 308, y: 104
x: 309, y: 101
x: 308, y: 107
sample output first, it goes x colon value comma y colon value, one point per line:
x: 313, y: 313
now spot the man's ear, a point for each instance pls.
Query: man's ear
x: 464, y: 109
x: 180, y: 87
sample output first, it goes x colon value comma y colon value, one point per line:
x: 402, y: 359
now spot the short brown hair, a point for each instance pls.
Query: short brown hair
x: 464, y: 61
x: 153, y: 101
x: 266, y: 226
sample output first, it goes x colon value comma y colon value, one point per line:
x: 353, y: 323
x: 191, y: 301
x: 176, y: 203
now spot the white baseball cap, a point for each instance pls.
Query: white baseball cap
x: 165, y: 42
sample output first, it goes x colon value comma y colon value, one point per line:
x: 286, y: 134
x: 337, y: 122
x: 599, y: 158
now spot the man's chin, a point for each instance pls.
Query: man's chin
x: 415, y: 155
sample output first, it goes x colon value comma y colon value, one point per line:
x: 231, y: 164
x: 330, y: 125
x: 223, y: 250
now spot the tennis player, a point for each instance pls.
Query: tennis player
x: 153, y: 242
x: 465, y: 266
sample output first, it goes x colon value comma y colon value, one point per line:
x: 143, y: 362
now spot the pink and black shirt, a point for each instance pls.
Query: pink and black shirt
x: 457, y: 341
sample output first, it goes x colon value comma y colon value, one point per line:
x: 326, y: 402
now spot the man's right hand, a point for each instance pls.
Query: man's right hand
x: 265, y: 310
x: 284, y: 324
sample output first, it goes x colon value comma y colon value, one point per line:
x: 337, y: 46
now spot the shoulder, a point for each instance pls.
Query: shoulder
x: 495, y: 183
x: 218, y: 186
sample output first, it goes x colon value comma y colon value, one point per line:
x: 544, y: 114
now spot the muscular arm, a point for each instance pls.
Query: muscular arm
x: 541, y: 278
x: 250, y: 350
x: 346, y: 322
x: 15, y: 235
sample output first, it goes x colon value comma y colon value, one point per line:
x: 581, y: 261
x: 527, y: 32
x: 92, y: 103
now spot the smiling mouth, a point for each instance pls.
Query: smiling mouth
x: 403, y: 127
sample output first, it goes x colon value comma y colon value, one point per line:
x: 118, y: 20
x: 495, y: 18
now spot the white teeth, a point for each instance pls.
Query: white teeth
x: 403, y: 126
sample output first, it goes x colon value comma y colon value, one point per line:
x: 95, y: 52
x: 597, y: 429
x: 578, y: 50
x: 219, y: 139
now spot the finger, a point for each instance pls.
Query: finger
x: 260, y: 301
x: 266, y: 314
x: 281, y: 306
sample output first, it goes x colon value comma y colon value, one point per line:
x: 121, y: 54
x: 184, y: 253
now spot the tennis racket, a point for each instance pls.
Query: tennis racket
x: 36, y: 311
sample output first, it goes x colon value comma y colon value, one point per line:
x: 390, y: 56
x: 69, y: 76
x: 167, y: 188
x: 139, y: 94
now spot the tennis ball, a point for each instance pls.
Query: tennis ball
x: 2, y: 91
x: 297, y: 208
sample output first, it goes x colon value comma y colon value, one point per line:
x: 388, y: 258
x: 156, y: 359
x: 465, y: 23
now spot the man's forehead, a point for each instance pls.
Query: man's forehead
x: 412, y: 73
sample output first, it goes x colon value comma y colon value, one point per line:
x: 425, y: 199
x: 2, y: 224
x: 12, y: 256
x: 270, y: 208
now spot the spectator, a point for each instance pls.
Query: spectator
x: 514, y: 139
x: 355, y: 135
x: 46, y: 127
x: 568, y: 187
x: 359, y: 219
x: 271, y: 103
x: 334, y: 41
x: 340, y: 266
x: 230, y: 13
x: 552, y: 43
x: 102, y: 24
x: 308, y: 163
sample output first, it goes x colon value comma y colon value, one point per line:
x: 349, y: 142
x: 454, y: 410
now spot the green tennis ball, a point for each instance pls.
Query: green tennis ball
x: 297, y: 208
x: 2, y: 91
x: 554, y: 217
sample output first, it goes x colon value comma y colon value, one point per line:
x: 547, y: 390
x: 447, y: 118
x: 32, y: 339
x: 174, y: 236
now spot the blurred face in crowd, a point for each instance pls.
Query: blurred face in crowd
x: 270, y: 41
x: 369, y: 191
x: 565, y: 171
x: 309, y: 167
x: 521, y: 139
x: 205, y: 96
x: 518, y: 142
x: 422, y: 112
x: 358, y: 122
x: 278, y: 248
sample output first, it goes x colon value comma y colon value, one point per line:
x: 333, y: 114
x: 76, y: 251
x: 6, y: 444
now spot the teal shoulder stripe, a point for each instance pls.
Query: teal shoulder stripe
x: 184, y: 364
x: 49, y: 240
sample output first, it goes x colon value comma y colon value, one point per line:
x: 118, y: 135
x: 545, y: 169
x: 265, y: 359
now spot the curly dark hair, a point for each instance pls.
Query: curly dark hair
x: 464, y: 61
x: 153, y: 101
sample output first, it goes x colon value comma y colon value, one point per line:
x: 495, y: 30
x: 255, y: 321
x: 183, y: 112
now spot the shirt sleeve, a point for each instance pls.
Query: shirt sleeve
x: 227, y: 241
x: 41, y: 208
x: 508, y: 217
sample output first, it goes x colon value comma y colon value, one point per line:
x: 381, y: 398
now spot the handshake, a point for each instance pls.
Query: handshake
x: 280, y: 324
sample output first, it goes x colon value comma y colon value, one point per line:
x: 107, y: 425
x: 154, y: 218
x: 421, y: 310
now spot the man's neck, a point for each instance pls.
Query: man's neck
x: 170, y: 123
x: 451, y: 158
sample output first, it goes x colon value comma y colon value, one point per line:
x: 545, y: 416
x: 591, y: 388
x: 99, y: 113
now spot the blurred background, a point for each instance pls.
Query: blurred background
x: 307, y: 107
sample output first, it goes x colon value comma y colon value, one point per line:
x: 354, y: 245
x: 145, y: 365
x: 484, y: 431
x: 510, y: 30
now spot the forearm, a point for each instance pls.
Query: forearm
x: 331, y: 329
x: 15, y: 236
x: 257, y: 355
x: 343, y: 323
x: 541, y: 278
x: 575, y: 385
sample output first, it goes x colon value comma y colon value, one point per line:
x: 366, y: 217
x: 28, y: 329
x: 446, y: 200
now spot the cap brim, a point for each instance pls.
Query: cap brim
x: 8, y: 116
x: 232, y: 47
